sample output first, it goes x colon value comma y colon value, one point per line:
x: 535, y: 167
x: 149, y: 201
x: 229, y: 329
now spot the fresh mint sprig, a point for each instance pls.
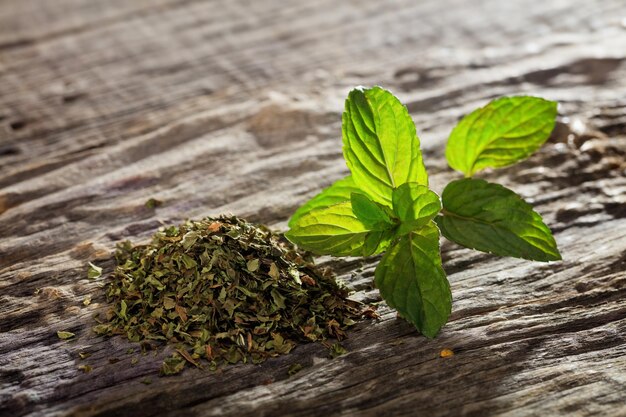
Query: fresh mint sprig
x: 385, y: 205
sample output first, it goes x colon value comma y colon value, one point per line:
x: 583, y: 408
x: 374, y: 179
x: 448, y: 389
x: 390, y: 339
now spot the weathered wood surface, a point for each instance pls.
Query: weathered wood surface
x: 235, y: 107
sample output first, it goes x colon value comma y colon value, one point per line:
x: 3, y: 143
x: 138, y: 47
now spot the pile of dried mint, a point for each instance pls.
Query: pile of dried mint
x: 224, y: 290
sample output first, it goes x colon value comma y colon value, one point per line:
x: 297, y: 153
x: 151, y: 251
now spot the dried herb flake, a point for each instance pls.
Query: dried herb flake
x: 223, y: 290
x: 94, y: 271
x: 65, y: 335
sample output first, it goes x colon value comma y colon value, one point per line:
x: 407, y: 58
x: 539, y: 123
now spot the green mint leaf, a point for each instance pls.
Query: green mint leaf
x: 491, y: 218
x: 415, y: 205
x: 339, y: 192
x: 332, y: 230
x: 380, y: 144
x: 411, y: 280
x: 373, y: 215
x: 502, y: 133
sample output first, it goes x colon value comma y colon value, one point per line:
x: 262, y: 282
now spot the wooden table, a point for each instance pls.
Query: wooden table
x: 235, y: 106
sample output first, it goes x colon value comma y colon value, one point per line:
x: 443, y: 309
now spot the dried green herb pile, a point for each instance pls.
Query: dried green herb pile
x: 224, y: 290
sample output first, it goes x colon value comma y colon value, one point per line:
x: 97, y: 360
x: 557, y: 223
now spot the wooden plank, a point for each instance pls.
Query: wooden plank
x: 235, y: 107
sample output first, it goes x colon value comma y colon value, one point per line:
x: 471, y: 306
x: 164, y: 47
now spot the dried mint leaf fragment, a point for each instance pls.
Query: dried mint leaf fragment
x: 63, y: 335
x: 94, y: 271
x: 223, y: 290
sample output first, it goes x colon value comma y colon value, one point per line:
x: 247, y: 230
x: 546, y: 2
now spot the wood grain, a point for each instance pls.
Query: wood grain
x: 235, y: 106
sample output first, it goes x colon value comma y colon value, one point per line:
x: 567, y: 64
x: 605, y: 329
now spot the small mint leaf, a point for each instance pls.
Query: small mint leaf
x: 415, y: 205
x: 380, y: 145
x: 411, y: 280
x: 491, y: 218
x: 502, y: 133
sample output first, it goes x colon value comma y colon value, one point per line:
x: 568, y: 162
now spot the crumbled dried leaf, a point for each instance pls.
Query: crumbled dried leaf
x: 294, y: 369
x: 153, y: 203
x: 187, y: 357
x: 370, y: 312
x: 65, y: 335
x: 307, y: 280
x: 274, y: 272
x: 337, y: 350
x: 223, y: 290
x: 253, y: 265
x: 446, y: 353
x: 84, y: 355
x: 172, y: 365
x: 85, y: 368
x: 214, y: 227
x: 94, y: 271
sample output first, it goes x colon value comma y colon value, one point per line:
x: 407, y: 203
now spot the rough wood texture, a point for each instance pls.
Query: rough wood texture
x: 235, y: 107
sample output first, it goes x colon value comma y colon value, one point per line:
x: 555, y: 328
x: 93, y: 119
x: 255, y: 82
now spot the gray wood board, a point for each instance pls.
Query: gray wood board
x: 235, y: 106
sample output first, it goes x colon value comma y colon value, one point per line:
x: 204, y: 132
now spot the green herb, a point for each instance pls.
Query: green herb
x: 329, y: 197
x: 65, y: 335
x: 172, y: 365
x: 337, y: 350
x: 500, y: 134
x: 385, y: 204
x: 380, y: 144
x: 411, y: 279
x: 85, y: 368
x: 94, y: 271
x: 153, y: 203
x: 491, y: 218
x: 294, y: 369
x: 223, y: 290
